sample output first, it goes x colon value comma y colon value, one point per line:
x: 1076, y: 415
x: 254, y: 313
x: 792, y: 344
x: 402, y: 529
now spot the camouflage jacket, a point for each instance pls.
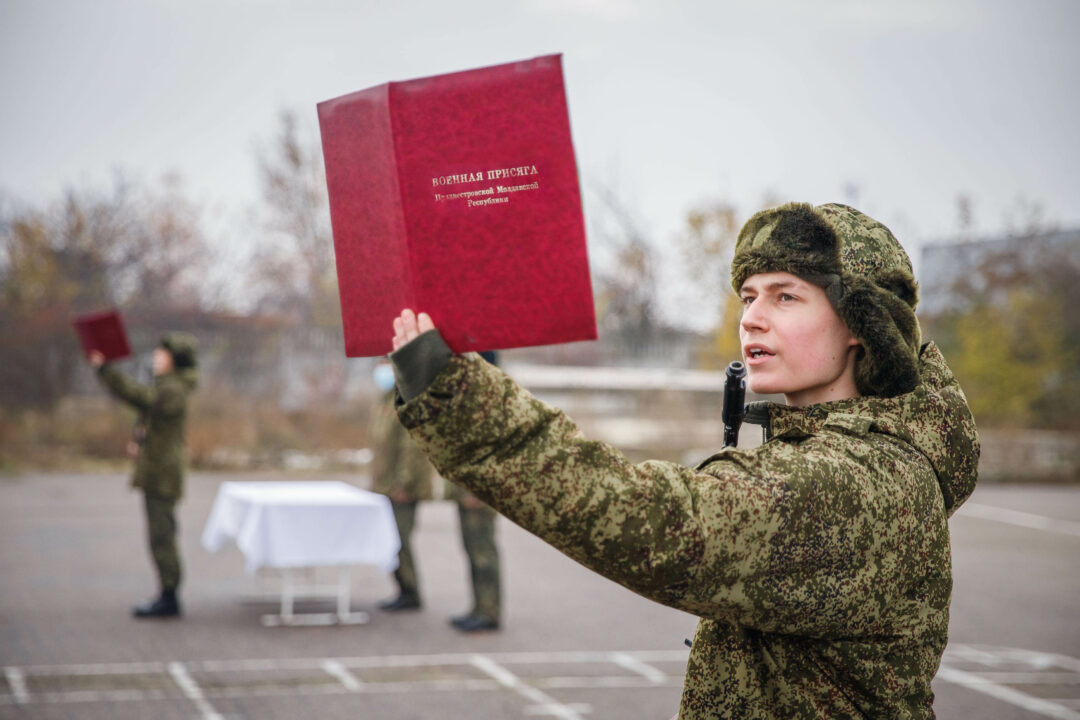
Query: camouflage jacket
x: 399, y: 463
x: 162, y: 406
x: 818, y: 563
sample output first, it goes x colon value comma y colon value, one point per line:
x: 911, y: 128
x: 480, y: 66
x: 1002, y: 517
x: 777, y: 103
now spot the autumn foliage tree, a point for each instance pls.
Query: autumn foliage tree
x: 707, y: 245
x: 1012, y: 336
x: 139, y: 249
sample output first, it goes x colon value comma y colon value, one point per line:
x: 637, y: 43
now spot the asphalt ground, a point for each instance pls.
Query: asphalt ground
x: 573, y: 645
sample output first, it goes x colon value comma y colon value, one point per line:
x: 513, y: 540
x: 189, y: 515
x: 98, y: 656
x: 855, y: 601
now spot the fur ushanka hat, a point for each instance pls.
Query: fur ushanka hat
x: 865, y: 274
x: 184, y: 348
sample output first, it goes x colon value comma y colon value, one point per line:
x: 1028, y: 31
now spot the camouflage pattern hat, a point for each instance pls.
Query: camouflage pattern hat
x: 864, y: 271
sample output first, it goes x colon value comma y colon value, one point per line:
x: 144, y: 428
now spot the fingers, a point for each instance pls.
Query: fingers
x: 407, y: 326
x: 408, y: 323
x: 399, y: 333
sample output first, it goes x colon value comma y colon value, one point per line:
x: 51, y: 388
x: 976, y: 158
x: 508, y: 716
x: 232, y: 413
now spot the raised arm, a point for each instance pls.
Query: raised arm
x: 139, y: 396
x: 641, y: 525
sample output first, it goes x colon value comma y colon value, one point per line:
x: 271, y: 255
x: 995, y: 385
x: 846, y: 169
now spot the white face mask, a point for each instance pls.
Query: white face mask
x: 384, y: 377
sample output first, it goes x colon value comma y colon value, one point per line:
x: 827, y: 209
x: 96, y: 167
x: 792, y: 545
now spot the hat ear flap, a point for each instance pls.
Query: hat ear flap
x: 886, y: 327
x: 899, y: 283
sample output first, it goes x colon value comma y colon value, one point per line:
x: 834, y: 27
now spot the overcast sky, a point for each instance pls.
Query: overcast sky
x: 896, y: 107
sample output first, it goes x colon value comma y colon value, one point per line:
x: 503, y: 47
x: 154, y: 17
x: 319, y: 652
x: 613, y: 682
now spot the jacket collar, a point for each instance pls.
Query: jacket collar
x: 786, y: 421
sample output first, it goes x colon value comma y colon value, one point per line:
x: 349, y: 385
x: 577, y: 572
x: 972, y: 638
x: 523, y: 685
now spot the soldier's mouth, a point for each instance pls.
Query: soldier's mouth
x: 756, y: 352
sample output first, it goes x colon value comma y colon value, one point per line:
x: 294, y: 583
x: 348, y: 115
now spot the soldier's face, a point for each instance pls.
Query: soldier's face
x: 163, y: 362
x: 793, y: 342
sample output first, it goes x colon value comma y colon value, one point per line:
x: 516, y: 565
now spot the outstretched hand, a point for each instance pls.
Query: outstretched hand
x: 408, y: 325
x: 96, y: 358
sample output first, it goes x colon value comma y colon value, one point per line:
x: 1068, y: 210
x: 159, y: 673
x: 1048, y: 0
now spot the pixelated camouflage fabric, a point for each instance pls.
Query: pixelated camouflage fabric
x: 398, y: 462
x: 159, y: 469
x: 818, y: 563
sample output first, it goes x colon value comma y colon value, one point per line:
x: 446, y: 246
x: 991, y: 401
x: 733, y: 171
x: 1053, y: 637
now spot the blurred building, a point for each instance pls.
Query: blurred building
x: 948, y: 270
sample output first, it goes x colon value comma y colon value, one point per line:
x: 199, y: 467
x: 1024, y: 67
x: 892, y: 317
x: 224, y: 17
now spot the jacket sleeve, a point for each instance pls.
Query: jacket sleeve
x: 134, y: 393
x: 666, y: 531
x: 161, y: 399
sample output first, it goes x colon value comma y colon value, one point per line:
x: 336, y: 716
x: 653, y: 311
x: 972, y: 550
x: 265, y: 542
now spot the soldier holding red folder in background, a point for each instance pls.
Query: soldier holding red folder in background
x: 159, y: 452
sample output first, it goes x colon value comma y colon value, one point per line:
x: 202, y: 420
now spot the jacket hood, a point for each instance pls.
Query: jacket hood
x: 934, y: 418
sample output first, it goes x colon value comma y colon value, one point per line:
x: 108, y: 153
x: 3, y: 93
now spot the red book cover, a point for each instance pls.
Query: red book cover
x: 457, y: 195
x: 104, y: 332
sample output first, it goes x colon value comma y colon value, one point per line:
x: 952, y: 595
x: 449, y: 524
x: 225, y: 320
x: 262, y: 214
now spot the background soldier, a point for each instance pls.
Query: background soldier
x: 159, y: 453
x: 402, y: 472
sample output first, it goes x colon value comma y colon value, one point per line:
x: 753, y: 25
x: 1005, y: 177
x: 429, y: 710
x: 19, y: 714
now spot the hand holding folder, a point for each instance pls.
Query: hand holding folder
x: 102, y: 334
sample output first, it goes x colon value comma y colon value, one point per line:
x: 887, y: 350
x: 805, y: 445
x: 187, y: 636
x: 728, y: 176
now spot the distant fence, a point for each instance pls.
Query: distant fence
x: 676, y: 414
x: 665, y: 412
x: 1030, y: 456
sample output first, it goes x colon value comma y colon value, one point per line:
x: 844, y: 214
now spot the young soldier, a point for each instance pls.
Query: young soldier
x: 159, y: 463
x: 819, y: 562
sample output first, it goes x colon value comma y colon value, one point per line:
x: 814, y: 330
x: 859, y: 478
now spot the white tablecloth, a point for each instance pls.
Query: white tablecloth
x: 303, y: 524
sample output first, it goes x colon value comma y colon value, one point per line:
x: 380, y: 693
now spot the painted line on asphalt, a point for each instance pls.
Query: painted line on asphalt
x: 998, y: 656
x: 133, y: 668
x: 600, y: 682
x: 1007, y: 694
x: 17, y: 683
x: 1031, y: 678
x: 1019, y: 518
x: 56, y: 697
x: 544, y: 703
x: 631, y: 663
x: 376, y: 661
x: 192, y: 692
x: 1003, y: 676
x: 346, y: 678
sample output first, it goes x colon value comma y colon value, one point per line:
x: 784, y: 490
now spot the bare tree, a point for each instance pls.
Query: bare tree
x: 626, y: 290
x: 293, y: 269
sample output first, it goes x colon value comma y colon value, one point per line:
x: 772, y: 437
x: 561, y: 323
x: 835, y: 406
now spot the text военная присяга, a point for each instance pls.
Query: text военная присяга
x: 481, y: 175
x: 491, y: 195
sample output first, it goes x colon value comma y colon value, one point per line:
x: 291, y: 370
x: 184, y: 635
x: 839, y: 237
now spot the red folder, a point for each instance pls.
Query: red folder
x: 104, y: 332
x: 457, y: 195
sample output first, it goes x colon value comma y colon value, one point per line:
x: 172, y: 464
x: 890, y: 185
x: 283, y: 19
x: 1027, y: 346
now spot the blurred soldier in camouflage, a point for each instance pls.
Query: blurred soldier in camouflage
x: 402, y: 472
x: 159, y: 453
x: 819, y: 562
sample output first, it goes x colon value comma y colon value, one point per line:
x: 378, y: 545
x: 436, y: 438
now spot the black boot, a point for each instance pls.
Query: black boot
x: 166, y: 606
x: 474, y: 622
x: 404, y: 601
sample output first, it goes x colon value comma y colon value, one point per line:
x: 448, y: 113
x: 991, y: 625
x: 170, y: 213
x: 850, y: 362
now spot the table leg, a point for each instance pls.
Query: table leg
x: 343, y: 591
x: 287, y: 592
x: 344, y: 587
